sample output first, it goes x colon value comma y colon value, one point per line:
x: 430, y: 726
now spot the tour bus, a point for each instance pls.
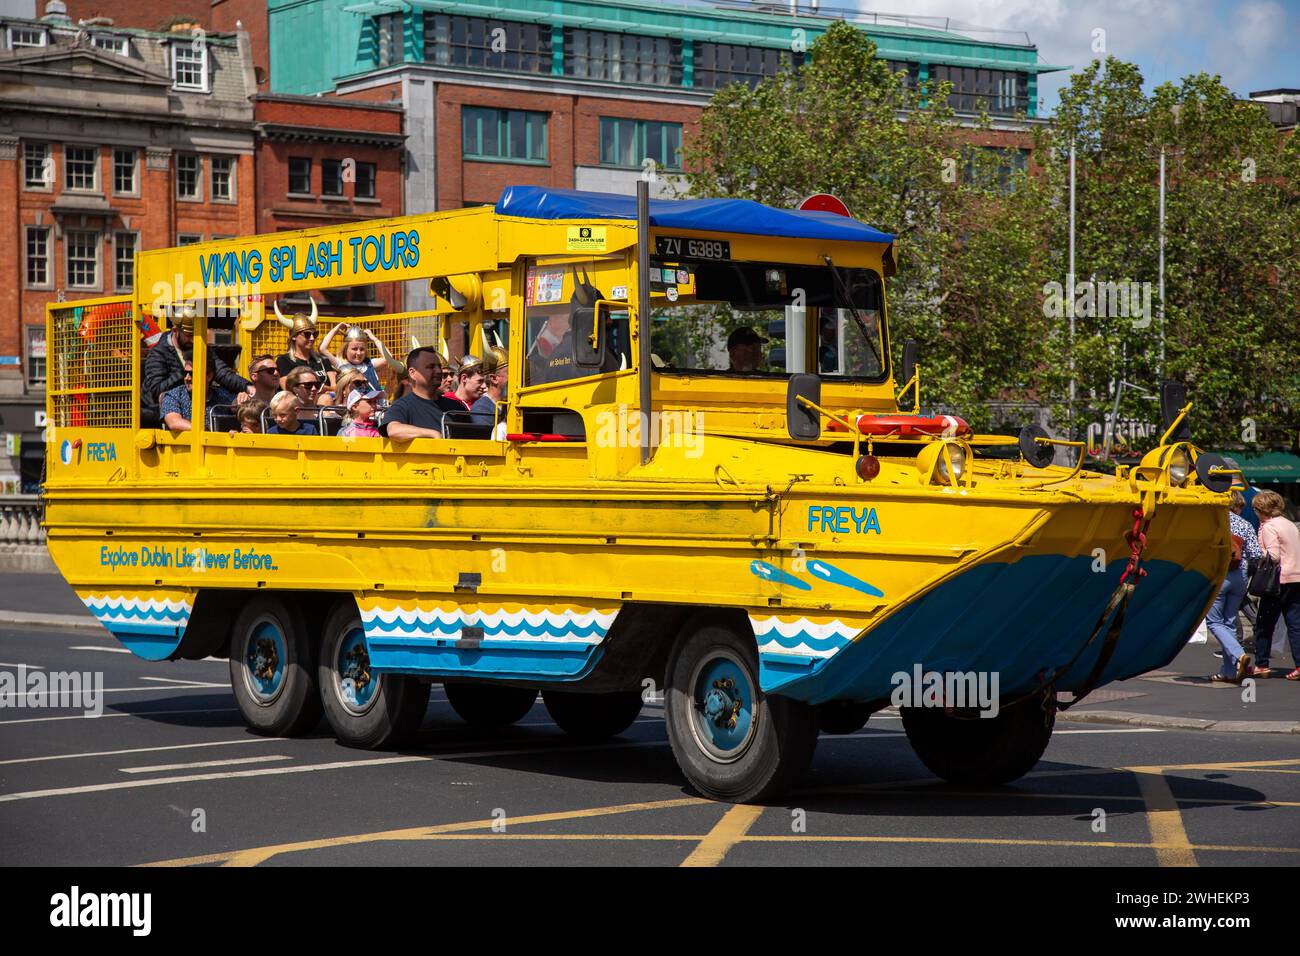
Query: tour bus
x: 711, y: 476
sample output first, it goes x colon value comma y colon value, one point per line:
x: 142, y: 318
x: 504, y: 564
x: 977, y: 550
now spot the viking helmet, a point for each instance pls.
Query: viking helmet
x: 299, y: 322
x: 495, y: 359
x: 355, y: 333
x: 182, y: 316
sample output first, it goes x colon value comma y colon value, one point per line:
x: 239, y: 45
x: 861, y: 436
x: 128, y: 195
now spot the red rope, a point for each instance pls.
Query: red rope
x: 1137, y: 540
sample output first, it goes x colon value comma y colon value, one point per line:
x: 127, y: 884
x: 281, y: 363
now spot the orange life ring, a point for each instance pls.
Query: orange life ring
x: 913, y: 426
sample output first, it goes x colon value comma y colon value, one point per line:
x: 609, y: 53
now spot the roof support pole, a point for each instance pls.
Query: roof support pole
x: 643, y: 309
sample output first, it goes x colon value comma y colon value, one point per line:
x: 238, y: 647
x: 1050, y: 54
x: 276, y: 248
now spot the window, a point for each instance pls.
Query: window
x: 35, y: 355
x: 190, y: 66
x: 390, y: 49
x: 331, y: 177
x: 515, y: 135
x: 365, y: 185
x: 81, y: 168
x: 26, y: 36
x: 300, y: 175
x: 124, y: 163
x: 114, y: 44
x: 721, y: 64
x: 38, y: 256
x: 912, y: 70
x: 188, y: 238
x: 625, y: 142
x: 38, y: 166
x: 124, y: 261
x: 622, y: 57
x: 223, y: 179
x: 81, y: 249
x: 189, y: 176
x: 493, y: 44
x: 990, y: 167
x: 999, y: 91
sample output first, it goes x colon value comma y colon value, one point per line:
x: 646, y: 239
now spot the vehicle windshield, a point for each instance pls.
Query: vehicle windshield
x: 748, y: 318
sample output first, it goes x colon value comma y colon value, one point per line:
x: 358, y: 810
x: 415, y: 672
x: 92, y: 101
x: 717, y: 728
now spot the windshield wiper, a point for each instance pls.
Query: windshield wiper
x: 853, y: 311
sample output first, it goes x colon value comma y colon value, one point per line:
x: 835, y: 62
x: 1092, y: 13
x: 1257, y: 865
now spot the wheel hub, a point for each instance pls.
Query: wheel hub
x: 722, y: 704
x: 265, y: 659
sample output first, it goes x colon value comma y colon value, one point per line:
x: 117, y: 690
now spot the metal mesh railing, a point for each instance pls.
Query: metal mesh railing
x: 395, y: 331
x: 91, y: 348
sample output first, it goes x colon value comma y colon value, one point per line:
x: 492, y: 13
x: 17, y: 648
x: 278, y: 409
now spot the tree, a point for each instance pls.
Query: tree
x: 1232, y: 323
x: 968, y: 251
x: 977, y: 262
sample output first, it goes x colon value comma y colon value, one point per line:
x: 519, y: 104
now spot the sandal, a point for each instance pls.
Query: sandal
x: 1294, y: 675
x: 1261, y: 672
x: 1220, y: 679
x: 1243, y: 667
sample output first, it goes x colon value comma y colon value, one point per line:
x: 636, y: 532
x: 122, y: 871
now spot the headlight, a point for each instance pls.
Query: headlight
x: 958, y: 456
x: 1179, y: 466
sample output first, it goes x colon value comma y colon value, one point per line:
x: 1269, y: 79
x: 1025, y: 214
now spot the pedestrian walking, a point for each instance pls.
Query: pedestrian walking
x: 1280, y: 540
x: 1222, y: 619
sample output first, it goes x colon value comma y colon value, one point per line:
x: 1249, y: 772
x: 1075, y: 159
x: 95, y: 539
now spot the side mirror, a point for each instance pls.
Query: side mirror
x: 1173, y: 396
x: 588, y: 324
x: 801, y: 421
x: 911, y: 352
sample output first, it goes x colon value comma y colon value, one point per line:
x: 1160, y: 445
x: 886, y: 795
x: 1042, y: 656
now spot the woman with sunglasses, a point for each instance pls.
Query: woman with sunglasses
x: 304, y: 386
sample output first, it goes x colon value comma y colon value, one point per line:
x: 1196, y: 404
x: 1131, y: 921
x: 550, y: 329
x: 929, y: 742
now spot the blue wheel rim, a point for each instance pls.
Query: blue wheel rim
x: 356, y: 684
x: 723, y: 707
x: 266, y: 658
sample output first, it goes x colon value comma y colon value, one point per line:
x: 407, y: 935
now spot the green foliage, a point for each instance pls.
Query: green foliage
x: 975, y: 260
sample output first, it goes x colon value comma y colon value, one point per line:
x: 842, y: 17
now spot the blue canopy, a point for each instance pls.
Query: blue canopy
x: 706, y: 215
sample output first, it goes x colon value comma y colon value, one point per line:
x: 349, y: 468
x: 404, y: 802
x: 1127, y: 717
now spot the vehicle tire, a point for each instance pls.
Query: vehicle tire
x: 981, y: 751
x: 843, y: 716
x: 593, y: 716
x: 757, y: 751
x: 489, y: 706
x: 366, y: 710
x: 273, y: 668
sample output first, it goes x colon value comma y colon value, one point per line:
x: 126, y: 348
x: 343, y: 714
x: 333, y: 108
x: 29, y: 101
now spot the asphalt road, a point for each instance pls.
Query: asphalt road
x: 169, y: 774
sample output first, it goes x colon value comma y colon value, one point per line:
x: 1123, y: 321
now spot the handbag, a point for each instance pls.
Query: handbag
x: 1267, y: 579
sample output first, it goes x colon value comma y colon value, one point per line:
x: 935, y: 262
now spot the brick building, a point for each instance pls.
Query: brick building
x: 582, y: 94
x: 211, y: 16
x: 111, y: 141
x: 322, y: 161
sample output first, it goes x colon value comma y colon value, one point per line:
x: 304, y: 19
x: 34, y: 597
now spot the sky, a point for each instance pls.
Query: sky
x: 1251, y: 44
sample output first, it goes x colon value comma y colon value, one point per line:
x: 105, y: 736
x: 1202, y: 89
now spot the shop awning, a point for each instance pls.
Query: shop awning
x: 1279, y: 466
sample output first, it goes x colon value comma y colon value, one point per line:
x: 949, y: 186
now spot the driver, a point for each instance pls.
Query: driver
x: 745, y: 350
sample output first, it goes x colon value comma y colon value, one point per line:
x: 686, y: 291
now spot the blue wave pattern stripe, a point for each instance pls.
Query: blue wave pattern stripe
x: 441, y: 628
x: 828, y: 572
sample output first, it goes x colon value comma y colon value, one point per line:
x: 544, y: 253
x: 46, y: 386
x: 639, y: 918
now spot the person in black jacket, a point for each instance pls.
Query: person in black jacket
x: 164, y: 369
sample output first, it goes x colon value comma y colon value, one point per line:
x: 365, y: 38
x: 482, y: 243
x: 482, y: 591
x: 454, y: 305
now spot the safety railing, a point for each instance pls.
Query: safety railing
x: 20, y: 520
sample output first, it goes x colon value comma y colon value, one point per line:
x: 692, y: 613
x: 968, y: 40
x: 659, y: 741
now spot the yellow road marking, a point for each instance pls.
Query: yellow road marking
x: 733, y: 826
x: 1165, y: 821
x: 1032, y: 795
x: 1232, y: 765
x: 256, y: 855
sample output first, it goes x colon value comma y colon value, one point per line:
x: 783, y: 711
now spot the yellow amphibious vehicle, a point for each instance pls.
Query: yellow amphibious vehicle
x: 700, y: 480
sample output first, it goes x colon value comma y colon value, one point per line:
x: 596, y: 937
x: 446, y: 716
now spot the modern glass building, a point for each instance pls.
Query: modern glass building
x: 589, y: 95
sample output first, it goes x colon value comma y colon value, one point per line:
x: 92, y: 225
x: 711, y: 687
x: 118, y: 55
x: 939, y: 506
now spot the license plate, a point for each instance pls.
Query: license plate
x: 681, y: 247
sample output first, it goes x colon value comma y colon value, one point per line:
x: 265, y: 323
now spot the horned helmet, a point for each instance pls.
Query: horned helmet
x: 355, y: 333
x: 299, y: 322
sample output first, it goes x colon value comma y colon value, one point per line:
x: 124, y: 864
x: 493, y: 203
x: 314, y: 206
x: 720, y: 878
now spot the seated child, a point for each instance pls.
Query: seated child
x: 249, y: 416
x: 361, y: 415
x: 284, y: 409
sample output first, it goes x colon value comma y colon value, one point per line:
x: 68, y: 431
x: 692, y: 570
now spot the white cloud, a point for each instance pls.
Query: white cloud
x: 1167, y: 38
